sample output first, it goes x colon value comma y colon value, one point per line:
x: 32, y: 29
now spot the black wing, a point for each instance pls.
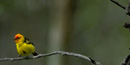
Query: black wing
x: 27, y: 41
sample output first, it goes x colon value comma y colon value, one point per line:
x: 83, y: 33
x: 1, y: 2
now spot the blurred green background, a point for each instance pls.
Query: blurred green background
x: 90, y: 27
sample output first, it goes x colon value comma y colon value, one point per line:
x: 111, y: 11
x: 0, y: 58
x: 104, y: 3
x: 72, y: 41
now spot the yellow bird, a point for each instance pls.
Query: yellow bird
x: 24, y: 46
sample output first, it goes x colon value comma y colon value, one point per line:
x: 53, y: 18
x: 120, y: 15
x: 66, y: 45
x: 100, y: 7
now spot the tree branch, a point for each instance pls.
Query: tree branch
x: 128, y: 9
x: 126, y: 61
x: 118, y: 4
x: 50, y: 54
x: 126, y: 25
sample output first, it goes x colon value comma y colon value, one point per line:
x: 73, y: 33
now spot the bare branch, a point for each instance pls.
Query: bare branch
x: 125, y: 8
x: 118, y: 4
x: 53, y: 53
x: 128, y: 9
x: 126, y: 61
x: 127, y: 25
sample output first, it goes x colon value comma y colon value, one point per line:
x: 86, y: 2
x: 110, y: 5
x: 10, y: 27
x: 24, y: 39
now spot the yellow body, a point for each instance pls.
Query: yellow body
x: 24, y: 47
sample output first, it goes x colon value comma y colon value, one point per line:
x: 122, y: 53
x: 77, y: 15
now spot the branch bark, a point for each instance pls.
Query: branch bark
x: 126, y: 25
x: 123, y: 7
x: 126, y: 61
x: 50, y: 54
x: 118, y: 4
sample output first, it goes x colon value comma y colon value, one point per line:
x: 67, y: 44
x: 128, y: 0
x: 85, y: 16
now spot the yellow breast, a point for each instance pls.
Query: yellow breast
x: 25, y: 49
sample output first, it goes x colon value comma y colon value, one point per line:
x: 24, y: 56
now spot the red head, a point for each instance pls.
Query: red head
x: 18, y: 38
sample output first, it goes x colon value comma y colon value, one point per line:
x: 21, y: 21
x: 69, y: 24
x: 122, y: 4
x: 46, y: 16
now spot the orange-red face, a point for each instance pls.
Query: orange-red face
x: 18, y: 38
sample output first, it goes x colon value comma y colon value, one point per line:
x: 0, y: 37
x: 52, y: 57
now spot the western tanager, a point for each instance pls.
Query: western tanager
x: 24, y: 46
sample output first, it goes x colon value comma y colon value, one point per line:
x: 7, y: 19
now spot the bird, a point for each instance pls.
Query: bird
x: 24, y: 46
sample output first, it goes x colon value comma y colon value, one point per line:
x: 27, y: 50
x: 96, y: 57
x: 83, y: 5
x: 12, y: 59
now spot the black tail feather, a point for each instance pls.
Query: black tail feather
x: 34, y: 53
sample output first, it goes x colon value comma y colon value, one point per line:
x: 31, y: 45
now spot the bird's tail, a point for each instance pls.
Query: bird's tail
x: 34, y: 53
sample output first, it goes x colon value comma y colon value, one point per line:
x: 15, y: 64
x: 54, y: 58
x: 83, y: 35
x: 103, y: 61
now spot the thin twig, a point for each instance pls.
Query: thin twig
x: 127, y: 25
x: 125, y: 8
x: 128, y: 9
x: 118, y: 4
x: 53, y: 53
x: 126, y: 61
